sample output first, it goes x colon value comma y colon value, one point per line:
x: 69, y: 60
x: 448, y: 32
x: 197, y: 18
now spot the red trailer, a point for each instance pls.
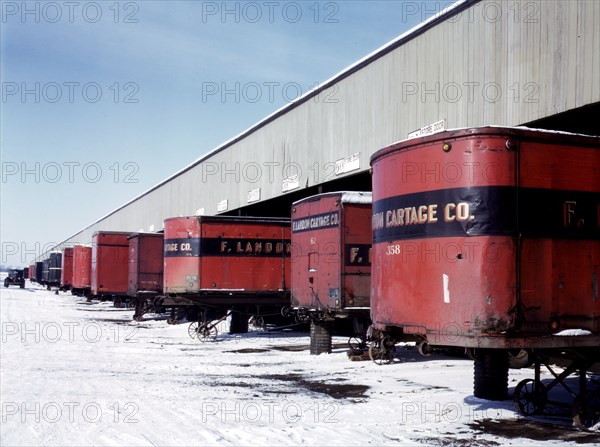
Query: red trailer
x: 31, y: 273
x: 489, y: 238
x: 331, y: 266
x: 82, y: 270
x: 110, y: 256
x: 218, y: 263
x: 66, y: 272
x: 145, y: 271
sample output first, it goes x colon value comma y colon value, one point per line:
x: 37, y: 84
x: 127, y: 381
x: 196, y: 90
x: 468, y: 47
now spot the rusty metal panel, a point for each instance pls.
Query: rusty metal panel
x: 82, y: 267
x: 145, y: 263
x: 331, y: 240
x: 110, y: 255
x: 221, y: 253
x: 66, y: 268
x: 487, y: 232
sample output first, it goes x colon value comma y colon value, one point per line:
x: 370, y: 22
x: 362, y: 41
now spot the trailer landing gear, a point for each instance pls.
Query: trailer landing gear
x: 531, y: 395
x: 382, y: 350
x: 204, y: 331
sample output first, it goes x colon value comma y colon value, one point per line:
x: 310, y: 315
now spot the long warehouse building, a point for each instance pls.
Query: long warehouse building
x: 530, y: 63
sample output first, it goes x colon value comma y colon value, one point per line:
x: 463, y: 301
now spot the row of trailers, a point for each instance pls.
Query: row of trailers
x: 483, y: 239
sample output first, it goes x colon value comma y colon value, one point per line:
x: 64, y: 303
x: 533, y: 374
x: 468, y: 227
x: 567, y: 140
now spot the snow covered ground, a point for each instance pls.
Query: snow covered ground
x: 83, y: 374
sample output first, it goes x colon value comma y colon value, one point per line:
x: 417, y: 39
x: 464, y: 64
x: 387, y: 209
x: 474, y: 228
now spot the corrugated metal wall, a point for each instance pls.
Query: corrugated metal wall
x: 503, y: 63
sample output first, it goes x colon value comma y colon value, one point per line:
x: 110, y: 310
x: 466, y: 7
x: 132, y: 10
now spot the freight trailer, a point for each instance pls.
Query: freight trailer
x: 46, y: 272
x: 331, y: 266
x: 145, y: 272
x: 82, y: 270
x: 32, y: 272
x: 51, y: 271
x: 66, y: 272
x: 489, y: 238
x: 216, y: 264
x: 39, y: 272
x: 110, y: 255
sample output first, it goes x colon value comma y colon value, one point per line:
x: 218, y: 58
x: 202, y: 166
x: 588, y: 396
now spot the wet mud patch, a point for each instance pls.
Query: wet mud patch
x: 537, y: 431
x: 295, y: 348
x: 281, y: 377
x: 113, y: 320
x: 291, y: 348
x: 248, y: 350
x: 415, y: 387
x: 238, y: 384
x: 450, y: 441
x: 335, y: 390
x: 103, y: 310
x: 296, y: 383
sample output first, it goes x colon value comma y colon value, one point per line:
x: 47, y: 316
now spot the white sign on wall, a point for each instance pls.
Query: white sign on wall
x: 438, y: 126
x: 347, y: 164
x: 254, y: 195
x: 222, y: 205
x: 290, y: 183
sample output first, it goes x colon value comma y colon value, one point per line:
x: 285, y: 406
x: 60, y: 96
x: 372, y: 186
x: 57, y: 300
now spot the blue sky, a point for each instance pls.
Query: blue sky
x: 102, y: 100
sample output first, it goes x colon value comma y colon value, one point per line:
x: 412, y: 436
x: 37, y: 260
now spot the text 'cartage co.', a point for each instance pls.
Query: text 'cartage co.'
x: 316, y: 222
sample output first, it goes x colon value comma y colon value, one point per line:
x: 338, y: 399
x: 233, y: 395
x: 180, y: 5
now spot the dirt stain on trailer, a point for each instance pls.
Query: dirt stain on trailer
x: 520, y: 428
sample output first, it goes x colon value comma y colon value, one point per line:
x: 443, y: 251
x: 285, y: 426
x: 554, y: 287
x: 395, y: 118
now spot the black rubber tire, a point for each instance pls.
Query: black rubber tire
x: 239, y: 323
x: 491, y: 374
x: 320, y: 337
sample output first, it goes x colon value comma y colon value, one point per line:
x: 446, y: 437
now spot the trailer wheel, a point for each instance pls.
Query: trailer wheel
x: 208, y: 333
x: 320, y: 337
x: 424, y: 349
x: 586, y: 409
x: 193, y: 330
x: 257, y: 321
x: 519, y: 359
x: 239, y: 323
x: 382, y: 351
x: 530, y: 396
x: 357, y: 345
x: 491, y: 374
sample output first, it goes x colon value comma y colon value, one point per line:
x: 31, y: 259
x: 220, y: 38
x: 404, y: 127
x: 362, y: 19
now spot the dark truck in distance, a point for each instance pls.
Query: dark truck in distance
x: 15, y: 277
